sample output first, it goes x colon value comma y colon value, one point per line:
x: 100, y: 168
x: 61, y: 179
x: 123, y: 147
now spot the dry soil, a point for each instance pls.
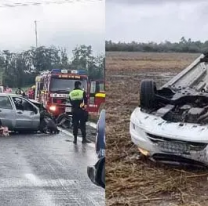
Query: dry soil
x: 131, y: 180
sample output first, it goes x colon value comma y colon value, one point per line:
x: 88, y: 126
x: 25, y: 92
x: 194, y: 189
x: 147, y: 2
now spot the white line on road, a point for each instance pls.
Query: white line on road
x: 33, y: 179
x: 78, y: 138
x: 43, y: 197
x: 91, y: 124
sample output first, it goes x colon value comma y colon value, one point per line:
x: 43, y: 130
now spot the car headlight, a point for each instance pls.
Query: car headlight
x: 52, y: 108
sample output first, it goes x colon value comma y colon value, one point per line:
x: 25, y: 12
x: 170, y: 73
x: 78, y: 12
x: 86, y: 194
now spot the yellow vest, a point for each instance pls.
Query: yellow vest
x: 76, y: 94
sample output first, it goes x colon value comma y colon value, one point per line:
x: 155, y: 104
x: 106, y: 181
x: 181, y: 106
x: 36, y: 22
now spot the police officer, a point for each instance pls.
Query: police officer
x: 78, y: 100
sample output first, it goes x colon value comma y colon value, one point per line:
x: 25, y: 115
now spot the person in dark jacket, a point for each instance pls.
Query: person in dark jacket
x: 78, y: 100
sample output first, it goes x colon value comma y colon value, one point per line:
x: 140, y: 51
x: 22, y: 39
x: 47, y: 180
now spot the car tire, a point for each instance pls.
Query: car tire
x: 67, y: 124
x: 147, y: 94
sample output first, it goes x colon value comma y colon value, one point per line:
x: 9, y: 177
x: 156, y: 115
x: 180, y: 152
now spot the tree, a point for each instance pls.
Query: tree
x: 22, y: 68
x: 182, y: 46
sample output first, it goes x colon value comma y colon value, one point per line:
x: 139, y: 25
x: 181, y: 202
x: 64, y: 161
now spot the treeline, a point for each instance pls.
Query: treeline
x: 183, y: 45
x: 20, y: 69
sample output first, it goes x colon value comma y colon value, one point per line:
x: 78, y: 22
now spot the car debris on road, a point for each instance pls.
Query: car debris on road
x: 170, y: 125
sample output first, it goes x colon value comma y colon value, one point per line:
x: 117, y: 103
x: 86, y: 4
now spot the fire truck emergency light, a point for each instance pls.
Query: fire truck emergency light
x: 80, y: 72
x: 74, y: 71
x: 64, y: 71
x: 55, y: 71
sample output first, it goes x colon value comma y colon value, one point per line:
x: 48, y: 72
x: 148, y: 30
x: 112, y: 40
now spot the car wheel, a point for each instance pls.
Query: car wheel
x: 147, y: 94
x: 64, y: 121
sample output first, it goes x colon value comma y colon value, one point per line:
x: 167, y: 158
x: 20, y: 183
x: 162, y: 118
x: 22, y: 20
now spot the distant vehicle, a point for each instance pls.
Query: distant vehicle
x: 171, y: 124
x: 96, y: 173
x: 53, y: 87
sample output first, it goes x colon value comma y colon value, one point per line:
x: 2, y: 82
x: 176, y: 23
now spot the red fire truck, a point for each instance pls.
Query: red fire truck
x: 53, y: 87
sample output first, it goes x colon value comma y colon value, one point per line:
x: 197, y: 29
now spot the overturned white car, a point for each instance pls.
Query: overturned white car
x: 171, y: 124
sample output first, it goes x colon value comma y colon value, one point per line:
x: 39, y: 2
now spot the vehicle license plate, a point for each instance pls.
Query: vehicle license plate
x: 174, y: 147
x: 67, y: 109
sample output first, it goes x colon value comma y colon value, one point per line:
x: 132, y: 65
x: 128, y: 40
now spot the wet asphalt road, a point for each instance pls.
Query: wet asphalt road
x: 44, y: 170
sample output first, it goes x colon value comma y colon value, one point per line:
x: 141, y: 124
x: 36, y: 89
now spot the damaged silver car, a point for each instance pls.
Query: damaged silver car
x: 21, y: 114
x: 171, y: 123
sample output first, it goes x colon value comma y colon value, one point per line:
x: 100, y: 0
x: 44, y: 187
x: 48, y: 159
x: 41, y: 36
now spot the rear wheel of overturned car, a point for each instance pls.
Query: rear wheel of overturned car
x: 147, y: 94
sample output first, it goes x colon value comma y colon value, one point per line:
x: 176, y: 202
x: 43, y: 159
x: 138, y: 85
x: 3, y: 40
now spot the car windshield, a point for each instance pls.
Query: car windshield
x: 65, y: 84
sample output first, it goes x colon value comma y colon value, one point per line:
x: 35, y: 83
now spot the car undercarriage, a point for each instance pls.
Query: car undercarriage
x: 183, y: 99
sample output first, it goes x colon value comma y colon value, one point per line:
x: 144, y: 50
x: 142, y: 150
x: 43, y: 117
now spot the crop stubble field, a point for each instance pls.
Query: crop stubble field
x: 131, y: 180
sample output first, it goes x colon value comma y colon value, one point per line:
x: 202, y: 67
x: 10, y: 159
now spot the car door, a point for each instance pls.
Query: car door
x: 92, y: 106
x: 96, y: 95
x: 7, y: 112
x: 27, y: 114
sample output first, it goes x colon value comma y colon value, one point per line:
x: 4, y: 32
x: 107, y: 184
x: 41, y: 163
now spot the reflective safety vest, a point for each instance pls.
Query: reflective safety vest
x: 76, y: 94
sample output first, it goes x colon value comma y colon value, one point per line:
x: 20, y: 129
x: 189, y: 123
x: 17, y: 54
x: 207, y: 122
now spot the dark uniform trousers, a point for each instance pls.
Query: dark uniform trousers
x: 79, y: 121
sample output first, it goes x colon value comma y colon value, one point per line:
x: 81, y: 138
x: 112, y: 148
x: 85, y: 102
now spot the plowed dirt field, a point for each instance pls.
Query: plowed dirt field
x: 131, y: 180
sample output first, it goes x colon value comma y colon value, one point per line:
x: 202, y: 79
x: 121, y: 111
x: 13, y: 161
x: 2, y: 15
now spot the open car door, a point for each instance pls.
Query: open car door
x: 27, y: 114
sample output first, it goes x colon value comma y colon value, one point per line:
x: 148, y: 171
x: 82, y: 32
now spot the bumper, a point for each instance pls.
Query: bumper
x: 91, y: 172
x: 58, y: 110
x: 169, y: 142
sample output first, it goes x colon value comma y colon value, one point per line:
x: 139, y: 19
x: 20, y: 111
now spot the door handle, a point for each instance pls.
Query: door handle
x: 19, y: 112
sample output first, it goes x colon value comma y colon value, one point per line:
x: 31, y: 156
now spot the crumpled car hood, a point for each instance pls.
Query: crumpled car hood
x: 180, y: 131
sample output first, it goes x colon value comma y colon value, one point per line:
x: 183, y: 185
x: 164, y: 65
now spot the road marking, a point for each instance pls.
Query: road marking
x: 43, y: 197
x: 52, y: 189
x: 78, y: 138
x: 33, y: 179
x: 92, y: 124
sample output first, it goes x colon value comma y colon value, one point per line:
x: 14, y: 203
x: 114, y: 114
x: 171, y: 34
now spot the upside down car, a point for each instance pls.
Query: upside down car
x: 171, y: 123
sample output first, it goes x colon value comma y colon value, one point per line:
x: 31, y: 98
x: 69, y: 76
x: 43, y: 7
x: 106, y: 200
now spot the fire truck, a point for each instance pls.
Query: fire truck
x: 53, y: 87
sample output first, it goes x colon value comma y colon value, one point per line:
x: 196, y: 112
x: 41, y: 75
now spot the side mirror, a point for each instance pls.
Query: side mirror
x: 96, y: 173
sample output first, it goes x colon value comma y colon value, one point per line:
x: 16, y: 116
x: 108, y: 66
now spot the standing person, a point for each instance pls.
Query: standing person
x: 19, y: 91
x: 30, y: 93
x: 78, y: 100
x: 8, y: 90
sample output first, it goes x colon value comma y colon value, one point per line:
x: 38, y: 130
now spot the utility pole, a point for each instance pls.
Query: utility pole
x: 36, y: 34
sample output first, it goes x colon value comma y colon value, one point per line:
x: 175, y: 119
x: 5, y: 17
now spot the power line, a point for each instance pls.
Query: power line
x: 15, y: 4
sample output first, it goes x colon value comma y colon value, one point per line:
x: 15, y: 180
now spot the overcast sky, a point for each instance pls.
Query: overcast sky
x: 156, y: 20
x: 63, y: 25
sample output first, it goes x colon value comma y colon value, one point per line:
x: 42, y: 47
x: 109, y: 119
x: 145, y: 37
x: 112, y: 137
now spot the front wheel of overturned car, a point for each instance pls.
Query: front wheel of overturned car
x: 64, y: 121
x: 147, y: 94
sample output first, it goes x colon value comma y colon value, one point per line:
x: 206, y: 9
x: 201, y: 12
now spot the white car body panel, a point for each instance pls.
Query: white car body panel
x: 142, y: 123
x: 194, y: 77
